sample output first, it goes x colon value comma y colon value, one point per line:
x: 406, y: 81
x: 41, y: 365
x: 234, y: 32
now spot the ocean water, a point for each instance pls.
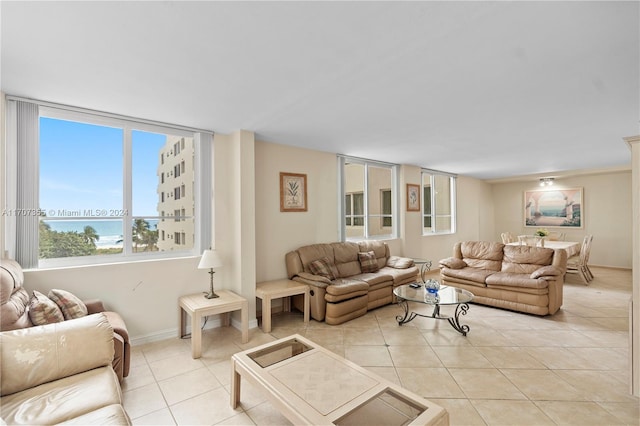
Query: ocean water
x: 109, y: 230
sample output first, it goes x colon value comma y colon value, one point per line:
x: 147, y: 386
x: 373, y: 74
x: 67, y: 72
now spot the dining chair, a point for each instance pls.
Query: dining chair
x: 507, y: 237
x: 586, y: 262
x: 578, y: 264
x: 530, y: 240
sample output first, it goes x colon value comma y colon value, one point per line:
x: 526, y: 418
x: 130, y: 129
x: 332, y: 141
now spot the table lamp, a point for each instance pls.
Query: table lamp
x: 210, y: 259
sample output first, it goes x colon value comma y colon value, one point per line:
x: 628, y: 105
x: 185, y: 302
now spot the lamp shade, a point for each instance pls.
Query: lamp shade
x: 210, y: 259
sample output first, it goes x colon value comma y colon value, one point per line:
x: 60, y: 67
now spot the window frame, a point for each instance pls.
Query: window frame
x: 342, y: 212
x: 432, y: 203
x: 203, y: 145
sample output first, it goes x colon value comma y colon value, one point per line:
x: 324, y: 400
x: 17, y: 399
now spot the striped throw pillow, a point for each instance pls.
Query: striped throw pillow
x: 70, y: 305
x: 368, y: 261
x: 43, y: 310
x: 324, y: 268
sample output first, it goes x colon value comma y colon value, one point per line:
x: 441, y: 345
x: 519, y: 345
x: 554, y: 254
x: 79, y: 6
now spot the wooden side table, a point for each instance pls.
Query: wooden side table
x: 198, y: 306
x: 268, y: 290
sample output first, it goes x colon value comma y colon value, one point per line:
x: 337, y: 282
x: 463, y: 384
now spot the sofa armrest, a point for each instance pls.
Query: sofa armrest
x: 314, y: 280
x: 398, y: 262
x: 94, y: 306
x: 453, y: 263
x: 546, y: 271
x: 41, y: 354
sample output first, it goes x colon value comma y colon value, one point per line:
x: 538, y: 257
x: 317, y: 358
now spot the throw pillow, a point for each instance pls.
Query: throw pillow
x: 400, y: 262
x: 70, y: 305
x: 368, y: 261
x: 323, y: 267
x: 43, y: 310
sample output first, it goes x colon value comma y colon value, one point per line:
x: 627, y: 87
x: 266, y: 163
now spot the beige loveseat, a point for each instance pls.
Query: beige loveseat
x: 520, y: 278
x: 60, y: 373
x: 348, y: 279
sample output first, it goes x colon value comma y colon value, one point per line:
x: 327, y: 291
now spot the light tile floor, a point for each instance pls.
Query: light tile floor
x: 511, y: 369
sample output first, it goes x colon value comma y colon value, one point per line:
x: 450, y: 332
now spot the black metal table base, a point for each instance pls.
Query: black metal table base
x: 454, y: 321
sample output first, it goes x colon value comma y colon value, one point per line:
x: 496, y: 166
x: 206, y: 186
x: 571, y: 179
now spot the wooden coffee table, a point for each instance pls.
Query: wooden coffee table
x: 311, y: 385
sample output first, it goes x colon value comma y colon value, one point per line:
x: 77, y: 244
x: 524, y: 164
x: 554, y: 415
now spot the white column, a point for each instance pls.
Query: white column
x: 634, y: 310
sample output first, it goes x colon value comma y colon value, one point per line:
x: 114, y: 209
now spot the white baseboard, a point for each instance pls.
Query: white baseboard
x: 172, y: 333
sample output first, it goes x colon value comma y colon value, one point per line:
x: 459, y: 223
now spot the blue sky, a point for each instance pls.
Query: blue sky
x: 81, y: 167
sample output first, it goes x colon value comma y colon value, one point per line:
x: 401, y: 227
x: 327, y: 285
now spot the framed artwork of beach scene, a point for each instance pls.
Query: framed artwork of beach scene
x: 293, y: 192
x: 554, y: 208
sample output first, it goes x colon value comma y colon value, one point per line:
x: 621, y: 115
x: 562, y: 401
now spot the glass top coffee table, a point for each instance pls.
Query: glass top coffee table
x: 447, y: 295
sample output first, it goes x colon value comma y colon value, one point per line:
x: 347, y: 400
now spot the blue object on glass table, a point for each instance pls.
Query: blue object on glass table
x: 431, y: 294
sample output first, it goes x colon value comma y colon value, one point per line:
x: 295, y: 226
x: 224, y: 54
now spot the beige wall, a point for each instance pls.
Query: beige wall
x: 607, y: 213
x: 279, y: 232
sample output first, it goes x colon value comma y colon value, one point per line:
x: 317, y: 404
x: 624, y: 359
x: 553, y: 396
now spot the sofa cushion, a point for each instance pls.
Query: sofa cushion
x: 525, y: 259
x: 14, y: 299
x: 314, y: 251
x: 344, y: 289
x: 379, y: 248
x: 482, y: 254
x: 368, y: 261
x: 43, y: 310
x: 69, y: 304
x: 510, y: 279
x: 113, y: 414
x: 63, y: 399
x: 469, y: 274
x: 323, y: 267
x: 399, y: 262
x: 49, y: 352
x: 374, y: 279
x: 346, y: 259
x: 453, y: 262
x: 401, y: 276
x: 546, y: 271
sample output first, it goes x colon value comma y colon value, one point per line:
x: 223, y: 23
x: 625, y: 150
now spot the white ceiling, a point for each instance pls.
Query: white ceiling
x: 484, y: 89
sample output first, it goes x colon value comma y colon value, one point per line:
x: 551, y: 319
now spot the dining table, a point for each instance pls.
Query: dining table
x: 571, y: 247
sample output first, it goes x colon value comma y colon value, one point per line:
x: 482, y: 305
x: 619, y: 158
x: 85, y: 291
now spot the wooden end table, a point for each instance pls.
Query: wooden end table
x: 268, y: 290
x: 198, y: 306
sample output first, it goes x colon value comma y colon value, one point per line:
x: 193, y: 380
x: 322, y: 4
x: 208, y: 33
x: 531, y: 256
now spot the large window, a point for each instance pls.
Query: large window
x: 439, y: 207
x: 102, y: 185
x: 369, y: 196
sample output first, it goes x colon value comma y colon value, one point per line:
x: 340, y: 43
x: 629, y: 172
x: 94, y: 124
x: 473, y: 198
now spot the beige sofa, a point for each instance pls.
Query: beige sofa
x: 358, y: 281
x: 520, y: 278
x: 60, y: 373
x: 15, y: 304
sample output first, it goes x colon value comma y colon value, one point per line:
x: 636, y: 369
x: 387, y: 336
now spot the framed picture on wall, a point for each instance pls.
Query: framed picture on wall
x: 554, y: 208
x: 413, y: 197
x: 293, y: 192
